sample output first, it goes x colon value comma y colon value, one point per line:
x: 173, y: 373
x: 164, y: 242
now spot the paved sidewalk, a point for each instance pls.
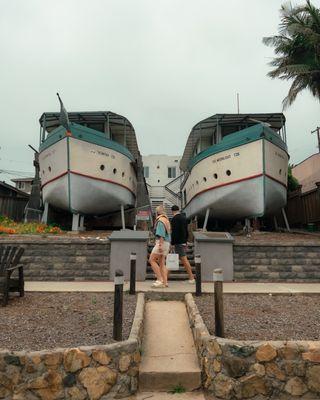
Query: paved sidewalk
x: 176, y: 287
x: 169, y: 358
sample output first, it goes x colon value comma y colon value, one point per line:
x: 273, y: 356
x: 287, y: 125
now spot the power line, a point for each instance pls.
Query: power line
x: 16, y: 173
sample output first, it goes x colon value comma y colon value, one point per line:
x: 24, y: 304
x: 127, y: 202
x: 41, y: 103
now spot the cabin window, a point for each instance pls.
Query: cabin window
x: 215, y: 176
x: 102, y: 167
x: 49, y: 168
x: 43, y: 172
x: 158, y: 180
x: 21, y: 185
x: 228, y: 172
x: 197, y: 182
x: 96, y: 126
x: 122, y: 174
x: 146, y: 172
x: 280, y: 171
x: 114, y: 170
x: 185, y: 197
x: 172, y: 172
x: 204, y: 179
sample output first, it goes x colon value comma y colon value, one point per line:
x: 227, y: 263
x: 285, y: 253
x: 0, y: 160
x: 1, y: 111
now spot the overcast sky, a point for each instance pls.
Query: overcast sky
x: 164, y: 64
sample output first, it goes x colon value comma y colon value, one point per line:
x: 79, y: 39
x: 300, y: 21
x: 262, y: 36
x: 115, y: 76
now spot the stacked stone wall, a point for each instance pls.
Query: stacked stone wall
x: 64, y: 259
x: 276, y: 262
x: 279, y: 370
x: 95, y: 372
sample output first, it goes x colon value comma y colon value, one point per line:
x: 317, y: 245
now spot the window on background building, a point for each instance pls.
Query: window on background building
x: 20, y: 185
x: 146, y: 172
x: 172, y: 172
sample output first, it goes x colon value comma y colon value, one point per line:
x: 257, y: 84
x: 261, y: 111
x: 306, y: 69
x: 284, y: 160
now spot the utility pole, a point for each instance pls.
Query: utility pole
x: 318, y: 134
x: 238, y: 103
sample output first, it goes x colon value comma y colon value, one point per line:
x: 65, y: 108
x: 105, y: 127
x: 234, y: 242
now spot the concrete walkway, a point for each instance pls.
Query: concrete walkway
x: 169, y: 359
x: 176, y: 287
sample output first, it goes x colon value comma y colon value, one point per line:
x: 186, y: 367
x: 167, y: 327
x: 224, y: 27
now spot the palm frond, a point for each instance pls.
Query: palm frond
x: 297, y: 49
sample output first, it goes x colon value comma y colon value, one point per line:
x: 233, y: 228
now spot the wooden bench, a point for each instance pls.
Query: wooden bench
x: 10, y: 262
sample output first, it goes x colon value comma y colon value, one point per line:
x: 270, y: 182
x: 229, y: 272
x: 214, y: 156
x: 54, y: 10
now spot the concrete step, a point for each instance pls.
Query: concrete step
x: 169, y: 358
x: 172, y: 277
x: 191, y: 261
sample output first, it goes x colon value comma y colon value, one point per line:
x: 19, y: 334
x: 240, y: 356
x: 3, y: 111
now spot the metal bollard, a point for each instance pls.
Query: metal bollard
x: 133, y: 261
x: 197, y: 260
x: 118, y: 305
x: 218, y: 302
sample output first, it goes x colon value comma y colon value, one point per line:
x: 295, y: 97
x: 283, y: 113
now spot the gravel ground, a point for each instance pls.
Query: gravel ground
x: 278, y: 238
x: 47, y: 320
x: 265, y: 317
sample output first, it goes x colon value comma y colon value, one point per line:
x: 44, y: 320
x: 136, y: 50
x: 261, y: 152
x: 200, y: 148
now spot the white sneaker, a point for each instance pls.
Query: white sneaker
x: 156, y: 283
x: 192, y: 281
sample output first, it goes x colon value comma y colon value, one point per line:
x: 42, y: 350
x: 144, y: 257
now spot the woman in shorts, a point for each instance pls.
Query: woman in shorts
x: 161, y: 249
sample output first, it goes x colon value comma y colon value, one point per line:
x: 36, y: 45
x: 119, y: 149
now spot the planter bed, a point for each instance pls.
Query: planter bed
x: 265, y: 317
x: 108, y: 371
x: 49, y: 320
x: 235, y: 369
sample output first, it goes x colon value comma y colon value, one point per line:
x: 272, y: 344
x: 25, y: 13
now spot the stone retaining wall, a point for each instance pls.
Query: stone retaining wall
x: 63, y: 259
x: 255, y: 370
x: 265, y: 262
x: 95, y: 372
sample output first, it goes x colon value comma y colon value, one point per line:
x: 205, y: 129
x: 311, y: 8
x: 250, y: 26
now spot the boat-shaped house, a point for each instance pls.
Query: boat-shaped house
x: 236, y: 166
x: 88, y: 167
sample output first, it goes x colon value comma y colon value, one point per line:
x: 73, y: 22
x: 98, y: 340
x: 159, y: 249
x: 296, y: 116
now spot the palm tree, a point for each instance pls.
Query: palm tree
x: 297, y: 47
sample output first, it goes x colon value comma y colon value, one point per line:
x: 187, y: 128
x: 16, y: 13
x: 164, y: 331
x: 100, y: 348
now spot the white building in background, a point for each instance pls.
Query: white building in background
x: 23, y: 184
x: 163, y: 177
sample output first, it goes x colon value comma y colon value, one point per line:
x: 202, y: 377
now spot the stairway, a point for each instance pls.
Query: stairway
x: 169, y: 359
x: 179, y: 275
x: 160, y: 202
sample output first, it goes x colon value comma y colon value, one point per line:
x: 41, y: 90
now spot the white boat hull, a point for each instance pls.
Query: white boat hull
x: 254, y: 186
x: 73, y: 178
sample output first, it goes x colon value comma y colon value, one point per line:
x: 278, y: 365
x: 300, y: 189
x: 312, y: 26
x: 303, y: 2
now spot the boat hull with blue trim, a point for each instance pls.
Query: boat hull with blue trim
x: 243, y: 176
x: 86, y: 173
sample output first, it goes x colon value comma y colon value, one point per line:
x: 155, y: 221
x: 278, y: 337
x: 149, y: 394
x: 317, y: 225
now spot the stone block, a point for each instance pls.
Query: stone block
x: 266, y: 352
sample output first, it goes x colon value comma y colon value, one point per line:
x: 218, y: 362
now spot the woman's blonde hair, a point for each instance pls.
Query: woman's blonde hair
x: 160, y: 210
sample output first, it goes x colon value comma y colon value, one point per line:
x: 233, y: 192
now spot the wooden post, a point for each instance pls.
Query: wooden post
x: 218, y: 302
x: 118, y: 305
x: 197, y: 260
x: 133, y: 260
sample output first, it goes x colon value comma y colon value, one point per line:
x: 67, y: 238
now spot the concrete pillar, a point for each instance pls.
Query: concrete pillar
x: 216, y: 251
x: 44, y: 218
x: 75, y: 222
x: 123, y: 243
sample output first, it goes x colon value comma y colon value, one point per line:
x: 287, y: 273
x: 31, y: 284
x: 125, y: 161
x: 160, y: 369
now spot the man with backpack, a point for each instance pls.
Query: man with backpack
x: 179, y: 238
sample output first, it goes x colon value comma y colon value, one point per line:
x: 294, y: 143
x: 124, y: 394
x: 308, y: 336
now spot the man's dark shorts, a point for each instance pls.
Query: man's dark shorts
x: 180, y: 249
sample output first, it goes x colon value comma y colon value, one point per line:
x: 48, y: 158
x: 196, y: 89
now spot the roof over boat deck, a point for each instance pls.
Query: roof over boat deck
x: 224, y: 124
x: 120, y: 127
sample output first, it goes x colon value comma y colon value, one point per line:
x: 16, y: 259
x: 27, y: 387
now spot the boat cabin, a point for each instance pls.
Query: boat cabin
x: 212, y: 130
x: 113, y: 126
